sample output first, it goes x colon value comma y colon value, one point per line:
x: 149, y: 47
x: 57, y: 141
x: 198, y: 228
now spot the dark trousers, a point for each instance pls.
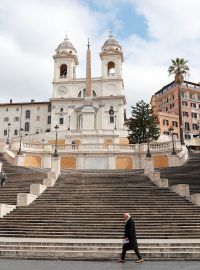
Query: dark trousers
x: 128, y: 246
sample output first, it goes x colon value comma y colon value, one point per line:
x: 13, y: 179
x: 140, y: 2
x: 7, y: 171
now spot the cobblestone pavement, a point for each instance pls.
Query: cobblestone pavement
x: 84, y: 265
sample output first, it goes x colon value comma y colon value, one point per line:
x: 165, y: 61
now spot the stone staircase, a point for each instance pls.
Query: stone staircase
x: 80, y: 217
x: 186, y: 174
x: 88, y: 206
x: 19, y: 180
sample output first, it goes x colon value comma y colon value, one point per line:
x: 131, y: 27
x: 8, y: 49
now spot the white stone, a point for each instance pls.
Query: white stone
x: 20, y: 160
x: 55, y: 166
x: 46, y: 161
x: 37, y: 189
x: 95, y: 162
x: 195, y: 198
x: 24, y: 199
x: 181, y: 189
x: 5, y: 209
x: 148, y: 165
x: 49, y: 182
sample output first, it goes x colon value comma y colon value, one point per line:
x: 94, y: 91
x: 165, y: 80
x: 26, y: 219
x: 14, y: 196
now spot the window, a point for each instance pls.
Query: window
x: 184, y: 103
x: 174, y: 123
x: 187, y: 136
x: 185, y: 114
x: 199, y: 106
x: 195, y: 127
x: 49, y: 107
x: 111, y: 119
x: 192, y: 96
x: 6, y: 109
x: 5, y: 132
x: 27, y: 126
x: 61, y: 121
x: 16, y: 119
x: 183, y: 95
x: 16, y: 132
x: 6, y: 119
x: 38, y: 108
x: 187, y: 126
x: 198, y: 97
x: 63, y: 70
x: 49, y: 120
x: 37, y: 118
x: 27, y: 114
x: 193, y: 105
x: 111, y: 68
x: 194, y: 115
x: 61, y: 110
x: 166, y: 132
x: 165, y: 122
x: 166, y: 109
x: 17, y: 109
x: 171, y: 106
x: 172, y: 97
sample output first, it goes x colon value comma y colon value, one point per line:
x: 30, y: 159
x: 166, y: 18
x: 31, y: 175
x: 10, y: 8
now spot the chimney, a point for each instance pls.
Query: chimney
x: 32, y: 100
x: 11, y: 101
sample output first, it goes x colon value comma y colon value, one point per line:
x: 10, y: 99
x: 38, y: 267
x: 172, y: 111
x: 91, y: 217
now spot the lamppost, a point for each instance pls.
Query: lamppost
x: 115, y: 121
x: 43, y: 144
x: 7, y: 141
x: 69, y: 123
x: 171, y: 132
x: 20, y: 142
x: 148, y: 154
x: 56, y: 145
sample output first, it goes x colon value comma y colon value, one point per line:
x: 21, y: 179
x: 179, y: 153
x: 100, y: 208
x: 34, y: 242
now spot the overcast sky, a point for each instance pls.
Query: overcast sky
x: 151, y: 33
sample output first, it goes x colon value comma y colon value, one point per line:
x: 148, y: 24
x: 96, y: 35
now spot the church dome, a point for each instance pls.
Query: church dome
x: 111, y: 42
x: 66, y: 45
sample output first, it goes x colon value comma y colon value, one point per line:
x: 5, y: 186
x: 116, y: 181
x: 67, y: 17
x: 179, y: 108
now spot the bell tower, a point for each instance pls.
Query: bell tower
x: 111, y: 59
x: 65, y: 63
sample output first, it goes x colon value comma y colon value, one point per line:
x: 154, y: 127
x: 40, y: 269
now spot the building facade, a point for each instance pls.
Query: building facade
x: 78, y: 106
x: 167, y: 108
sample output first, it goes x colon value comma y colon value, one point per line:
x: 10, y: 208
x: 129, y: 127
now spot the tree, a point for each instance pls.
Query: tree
x: 179, y: 68
x: 142, y: 120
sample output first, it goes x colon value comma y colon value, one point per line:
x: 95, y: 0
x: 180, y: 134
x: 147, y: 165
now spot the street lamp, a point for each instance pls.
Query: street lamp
x: 148, y: 154
x: 56, y: 145
x: 20, y: 142
x: 43, y: 144
x: 171, y: 132
x: 69, y: 123
x: 7, y: 141
x: 115, y: 121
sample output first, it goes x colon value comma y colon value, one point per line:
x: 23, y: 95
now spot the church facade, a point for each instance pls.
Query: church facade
x: 85, y: 110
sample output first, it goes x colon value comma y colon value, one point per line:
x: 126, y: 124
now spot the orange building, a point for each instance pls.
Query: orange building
x: 167, y: 107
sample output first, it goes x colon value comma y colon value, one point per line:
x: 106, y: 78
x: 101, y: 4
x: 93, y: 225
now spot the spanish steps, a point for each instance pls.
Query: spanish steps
x: 186, y: 174
x: 81, y: 215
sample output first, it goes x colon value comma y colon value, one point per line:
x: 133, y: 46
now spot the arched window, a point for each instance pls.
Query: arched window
x: 111, y: 68
x: 27, y: 126
x: 63, y: 70
x: 27, y: 114
x: 61, y: 109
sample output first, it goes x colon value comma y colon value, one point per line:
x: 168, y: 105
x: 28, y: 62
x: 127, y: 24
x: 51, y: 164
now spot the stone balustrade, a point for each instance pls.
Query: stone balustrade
x: 136, y: 148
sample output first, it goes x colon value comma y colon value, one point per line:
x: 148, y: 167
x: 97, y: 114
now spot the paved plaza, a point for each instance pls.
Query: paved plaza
x: 86, y: 265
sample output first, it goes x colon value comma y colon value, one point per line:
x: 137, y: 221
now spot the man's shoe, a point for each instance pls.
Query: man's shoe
x: 120, y: 261
x: 139, y: 261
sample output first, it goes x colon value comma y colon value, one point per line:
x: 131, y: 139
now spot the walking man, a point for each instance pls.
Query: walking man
x: 130, y: 240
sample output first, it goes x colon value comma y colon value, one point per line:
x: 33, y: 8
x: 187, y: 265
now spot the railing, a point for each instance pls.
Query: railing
x: 96, y: 147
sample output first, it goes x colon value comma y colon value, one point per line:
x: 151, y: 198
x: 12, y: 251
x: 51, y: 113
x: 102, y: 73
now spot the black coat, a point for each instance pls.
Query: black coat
x: 130, y: 232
